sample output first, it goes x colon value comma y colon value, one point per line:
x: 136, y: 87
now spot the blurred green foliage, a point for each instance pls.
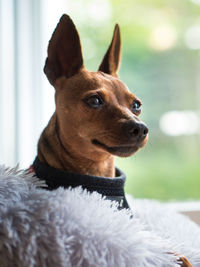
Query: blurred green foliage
x: 165, y: 78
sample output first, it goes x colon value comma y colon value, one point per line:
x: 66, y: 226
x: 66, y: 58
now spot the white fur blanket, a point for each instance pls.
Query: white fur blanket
x: 74, y: 228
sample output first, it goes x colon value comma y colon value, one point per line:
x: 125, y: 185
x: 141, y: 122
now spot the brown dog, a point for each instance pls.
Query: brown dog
x: 96, y: 115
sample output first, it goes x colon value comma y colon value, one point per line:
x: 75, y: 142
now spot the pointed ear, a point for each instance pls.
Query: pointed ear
x: 64, y: 51
x: 111, y: 60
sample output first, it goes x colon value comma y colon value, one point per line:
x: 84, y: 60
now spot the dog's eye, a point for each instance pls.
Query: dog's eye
x: 94, y: 101
x: 136, y: 106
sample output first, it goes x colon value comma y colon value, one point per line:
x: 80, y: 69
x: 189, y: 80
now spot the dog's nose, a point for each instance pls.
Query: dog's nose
x: 135, y: 129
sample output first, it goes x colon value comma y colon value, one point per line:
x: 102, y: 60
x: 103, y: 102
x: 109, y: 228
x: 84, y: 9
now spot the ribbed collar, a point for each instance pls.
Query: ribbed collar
x: 111, y: 188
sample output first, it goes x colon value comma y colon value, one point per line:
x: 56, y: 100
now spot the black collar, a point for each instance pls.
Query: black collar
x: 111, y: 188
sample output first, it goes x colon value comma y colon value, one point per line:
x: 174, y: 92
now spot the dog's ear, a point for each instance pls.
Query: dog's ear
x: 111, y: 60
x: 64, y: 51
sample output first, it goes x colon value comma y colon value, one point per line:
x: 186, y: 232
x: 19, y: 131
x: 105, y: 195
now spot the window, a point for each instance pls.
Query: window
x: 160, y: 64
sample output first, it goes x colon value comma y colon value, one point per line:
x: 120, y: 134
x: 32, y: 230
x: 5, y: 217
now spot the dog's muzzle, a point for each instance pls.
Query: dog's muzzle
x: 135, y: 131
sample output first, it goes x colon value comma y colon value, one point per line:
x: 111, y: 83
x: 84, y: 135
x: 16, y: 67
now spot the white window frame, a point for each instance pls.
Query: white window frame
x: 26, y: 97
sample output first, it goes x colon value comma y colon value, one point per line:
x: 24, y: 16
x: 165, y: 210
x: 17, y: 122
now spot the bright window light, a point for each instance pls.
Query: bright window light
x: 196, y: 2
x: 99, y: 10
x: 176, y: 123
x: 163, y: 37
x: 192, y: 37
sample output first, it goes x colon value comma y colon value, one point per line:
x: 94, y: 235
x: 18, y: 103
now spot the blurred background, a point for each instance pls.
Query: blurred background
x: 160, y: 64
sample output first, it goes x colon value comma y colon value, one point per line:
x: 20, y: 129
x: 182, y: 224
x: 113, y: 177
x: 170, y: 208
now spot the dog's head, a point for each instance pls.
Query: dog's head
x: 96, y: 113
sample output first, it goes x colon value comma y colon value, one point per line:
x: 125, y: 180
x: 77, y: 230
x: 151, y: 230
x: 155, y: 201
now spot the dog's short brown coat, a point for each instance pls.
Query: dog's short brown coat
x: 67, y: 142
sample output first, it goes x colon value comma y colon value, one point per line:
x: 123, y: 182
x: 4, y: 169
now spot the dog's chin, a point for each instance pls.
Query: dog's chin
x: 120, y: 151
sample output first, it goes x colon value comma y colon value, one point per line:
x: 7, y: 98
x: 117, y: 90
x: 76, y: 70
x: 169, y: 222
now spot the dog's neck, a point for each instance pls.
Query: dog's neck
x: 52, y: 152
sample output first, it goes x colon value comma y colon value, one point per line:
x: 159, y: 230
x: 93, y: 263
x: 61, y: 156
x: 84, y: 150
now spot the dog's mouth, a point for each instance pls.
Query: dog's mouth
x: 123, y: 150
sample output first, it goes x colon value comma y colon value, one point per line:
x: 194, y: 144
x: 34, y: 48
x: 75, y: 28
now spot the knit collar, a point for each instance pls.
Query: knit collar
x: 111, y: 188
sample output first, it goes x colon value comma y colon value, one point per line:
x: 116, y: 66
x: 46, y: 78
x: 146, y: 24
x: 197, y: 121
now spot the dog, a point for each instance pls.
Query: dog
x: 96, y: 117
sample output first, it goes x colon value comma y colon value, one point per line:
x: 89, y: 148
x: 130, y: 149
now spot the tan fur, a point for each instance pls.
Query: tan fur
x: 185, y: 262
x: 66, y: 141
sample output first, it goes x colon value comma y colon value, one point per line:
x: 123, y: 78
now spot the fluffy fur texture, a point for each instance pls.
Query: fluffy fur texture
x: 75, y: 228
